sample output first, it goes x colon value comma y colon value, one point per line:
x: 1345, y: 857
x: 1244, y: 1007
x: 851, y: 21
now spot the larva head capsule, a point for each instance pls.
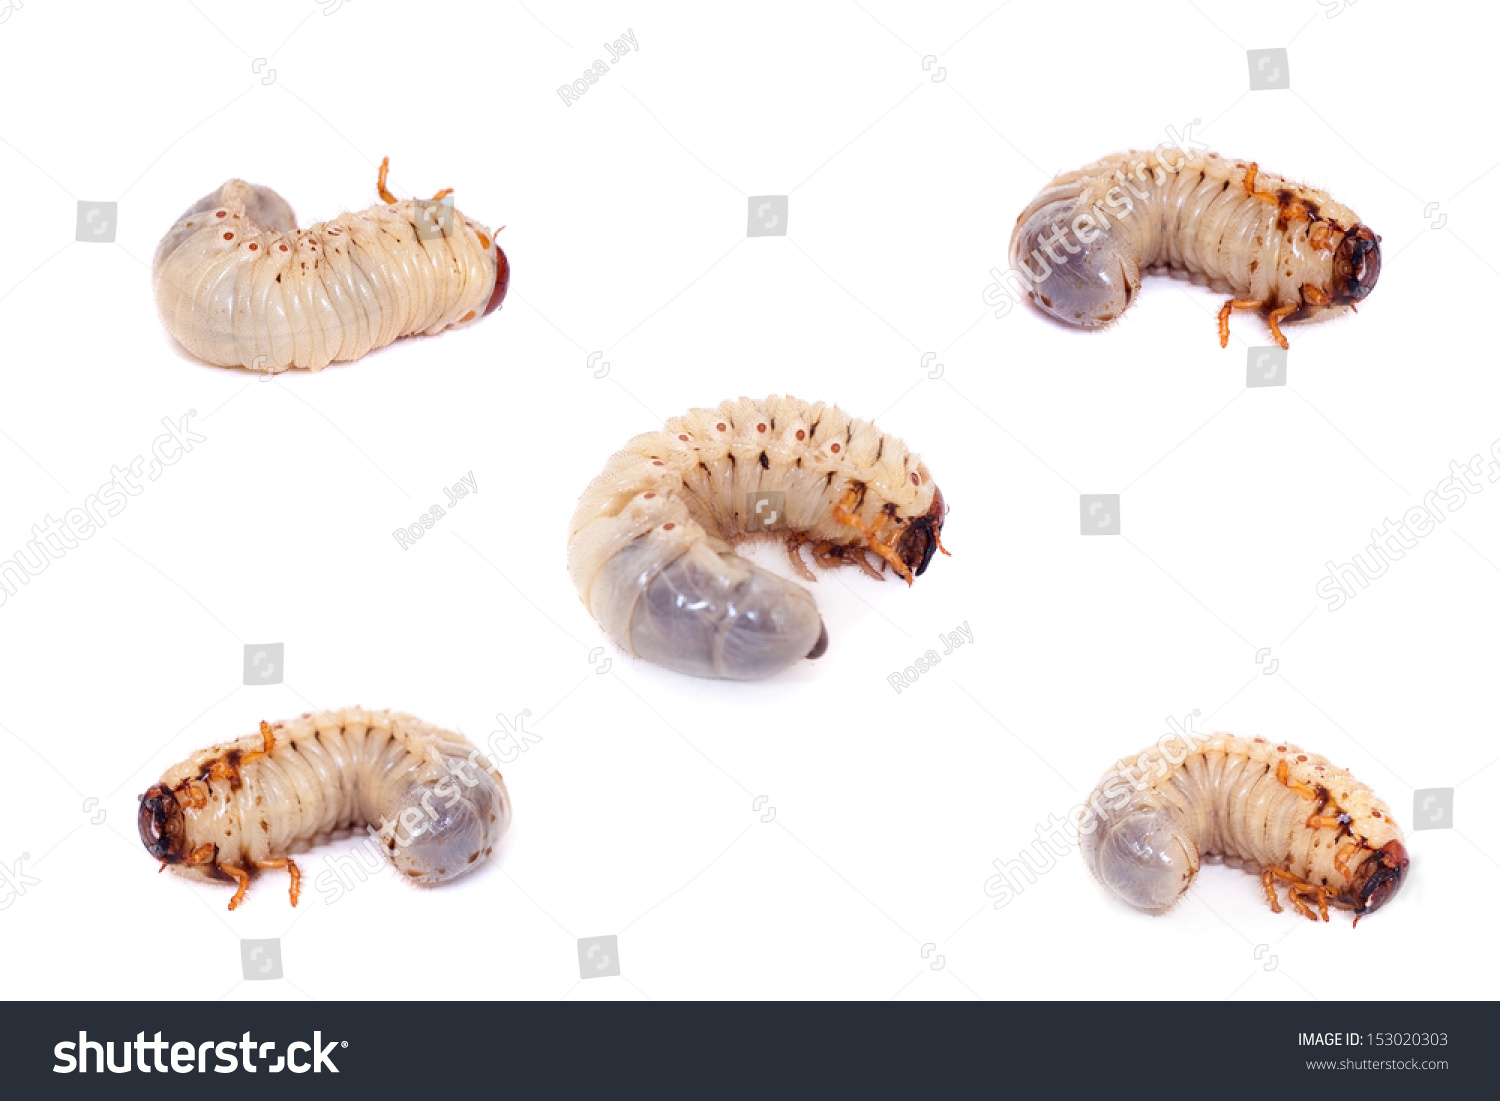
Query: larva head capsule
x: 1379, y: 877
x: 160, y: 821
x: 921, y: 536
x: 1356, y: 265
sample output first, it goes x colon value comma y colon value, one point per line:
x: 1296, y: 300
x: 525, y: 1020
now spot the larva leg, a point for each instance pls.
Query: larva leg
x: 1296, y: 889
x: 291, y: 866
x: 443, y: 194
x: 1341, y: 858
x: 1269, y: 882
x: 386, y: 196
x: 794, y: 543
x: 1320, y: 237
x: 1313, y: 295
x: 203, y: 854
x: 1283, y: 775
x: 240, y: 876
x: 1264, y: 196
x: 842, y: 513
x: 1275, y: 317
x: 1323, y: 821
x: 1234, y: 304
x: 268, y: 743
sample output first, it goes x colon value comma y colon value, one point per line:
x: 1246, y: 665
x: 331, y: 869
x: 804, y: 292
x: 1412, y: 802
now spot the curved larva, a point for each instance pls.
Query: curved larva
x: 238, y: 284
x: 435, y: 802
x: 1292, y: 817
x: 650, y: 545
x: 1079, y: 248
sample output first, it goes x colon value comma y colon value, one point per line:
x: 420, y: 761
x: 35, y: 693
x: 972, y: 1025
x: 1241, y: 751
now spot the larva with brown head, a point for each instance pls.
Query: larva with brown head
x: 238, y: 284
x: 650, y: 546
x: 1290, y: 251
x: 1293, y: 818
x: 436, y: 805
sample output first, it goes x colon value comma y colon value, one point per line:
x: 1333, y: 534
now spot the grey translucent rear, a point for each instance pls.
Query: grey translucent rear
x: 1088, y: 287
x: 705, y: 613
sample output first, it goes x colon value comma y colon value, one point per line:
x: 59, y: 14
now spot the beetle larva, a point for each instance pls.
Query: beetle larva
x: 238, y: 284
x: 649, y: 547
x: 436, y: 804
x: 1080, y: 247
x: 1293, y: 817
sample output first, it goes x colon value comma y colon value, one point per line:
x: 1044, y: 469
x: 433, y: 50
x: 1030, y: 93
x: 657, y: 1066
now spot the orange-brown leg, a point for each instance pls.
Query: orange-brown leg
x: 240, y: 876
x: 1283, y: 774
x: 1264, y: 196
x: 1234, y: 304
x: 1275, y: 317
x: 1268, y: 881
x: 203, y: 854
x: 385, y: 166
x: 197, y: 796
x: 1320, y: 236
x: 842, y: 513
x: 291, y: 866
x: 1296, y: 888
x: 1314, y: 296
x: 267, y: 744
x: 443, y: 194
x: 1341, y: 859
x: 1323, y: 821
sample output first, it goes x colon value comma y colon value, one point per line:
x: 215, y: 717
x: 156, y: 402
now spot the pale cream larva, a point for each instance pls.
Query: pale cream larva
x: 238, y: 284
x: 435, y: 804
x: 1293, y: 818
x: 650, y: 547
x: 1079, y: 248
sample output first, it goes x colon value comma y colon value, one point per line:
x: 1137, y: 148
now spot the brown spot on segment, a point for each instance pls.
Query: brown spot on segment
x: 765, y: 463
x: 1302, y: 756
x: 219, y: 213
x: 228, y: 235
x: 252, y: 246
x: 760, y: 428
x: 466, y: 317
x: 801, y: 434
x: 649, y: 496
x: 683, y: 438
x: 657, y: 462
x: 915, y: 480
x: 473, y: 857
x: 834, y: 448
x: 720, y: 426
x: 668, y: 527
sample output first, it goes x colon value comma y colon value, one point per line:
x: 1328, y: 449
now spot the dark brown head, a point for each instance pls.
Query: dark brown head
x: 502, y: 280
x: 920, y: 538
x: 1356, y: 265
x: 1379, y: 877
x: 162, y: 829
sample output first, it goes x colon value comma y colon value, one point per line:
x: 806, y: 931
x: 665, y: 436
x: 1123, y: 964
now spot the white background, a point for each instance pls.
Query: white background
x: 626, y: 215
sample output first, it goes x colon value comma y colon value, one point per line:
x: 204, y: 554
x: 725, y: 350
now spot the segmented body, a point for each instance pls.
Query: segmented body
x: 437, y: 805
x: 1079, y: 248
x: 238, y: 284
x: 650, y: 544
x: 1292, y: 817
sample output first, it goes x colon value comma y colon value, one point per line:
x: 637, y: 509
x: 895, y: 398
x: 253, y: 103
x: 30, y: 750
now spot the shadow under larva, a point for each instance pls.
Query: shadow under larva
x: 433, y: 802
x: 238, y: 284
x: 651, y: 544
x: 1287, y: 250
x: 1294, y: 818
